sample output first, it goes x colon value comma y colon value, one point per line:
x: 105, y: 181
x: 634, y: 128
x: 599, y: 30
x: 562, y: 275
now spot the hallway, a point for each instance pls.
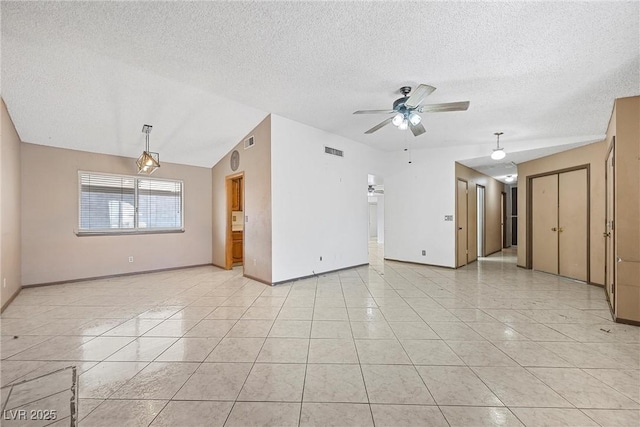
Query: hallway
x: 391, y: 343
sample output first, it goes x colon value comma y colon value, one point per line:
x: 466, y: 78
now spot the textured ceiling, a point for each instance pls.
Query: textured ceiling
x: 89, y: 75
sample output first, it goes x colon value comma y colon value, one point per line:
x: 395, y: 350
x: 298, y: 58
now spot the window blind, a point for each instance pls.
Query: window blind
x: 109, y: 203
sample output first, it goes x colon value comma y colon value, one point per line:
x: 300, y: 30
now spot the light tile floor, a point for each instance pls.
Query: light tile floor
x: 391, y: 344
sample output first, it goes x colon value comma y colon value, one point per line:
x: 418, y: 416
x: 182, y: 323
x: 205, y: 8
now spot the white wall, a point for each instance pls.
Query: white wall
x: 319, y: 201
x: 417, y: 197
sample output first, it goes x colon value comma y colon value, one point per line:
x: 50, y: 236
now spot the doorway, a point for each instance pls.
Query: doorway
x: 375, y: 195
x: 503, y: 219
x: 559, y: 223
x: 609, y: 263
x: 373, y: 221
x: 480, y: 204
x: 462, y: 213
x: 234, y: 247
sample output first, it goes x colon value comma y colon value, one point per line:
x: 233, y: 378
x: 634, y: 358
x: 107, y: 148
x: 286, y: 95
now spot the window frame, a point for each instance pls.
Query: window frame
x: 128, y: 231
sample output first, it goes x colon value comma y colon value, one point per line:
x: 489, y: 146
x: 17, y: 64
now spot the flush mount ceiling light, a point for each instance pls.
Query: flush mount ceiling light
x: 509, y: 178
x: 148, y: 161
x: 498, y: 153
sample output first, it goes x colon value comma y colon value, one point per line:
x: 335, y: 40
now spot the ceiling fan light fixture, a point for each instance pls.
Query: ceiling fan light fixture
x: 498, y: 153
x: 415, y: 119
x: 397, y: 119
x: 404, y: 125
x: 148, y: 161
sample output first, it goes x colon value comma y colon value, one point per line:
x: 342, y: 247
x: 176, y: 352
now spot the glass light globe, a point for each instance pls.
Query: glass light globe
x: 397, y: 119
x: 498, y: 154
x: 415, y: 119
x: 404, y: 125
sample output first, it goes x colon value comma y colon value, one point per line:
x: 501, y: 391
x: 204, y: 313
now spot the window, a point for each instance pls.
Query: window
x: 124, y: 204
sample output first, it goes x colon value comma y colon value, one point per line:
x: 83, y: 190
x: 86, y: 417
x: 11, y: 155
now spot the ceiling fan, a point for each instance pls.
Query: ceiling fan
x: 406, y: 109
x: 372, y: 190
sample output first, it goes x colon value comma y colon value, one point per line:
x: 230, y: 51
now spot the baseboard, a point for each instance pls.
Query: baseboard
x: 319, y: 274
x: 419, y: 263
x: 494, y: 252
x: 597, y: 285
x: 219, y: 266
x: 627, y: 321
x: 258, y: 280
x: 10, y: 300
x: 111, y: 276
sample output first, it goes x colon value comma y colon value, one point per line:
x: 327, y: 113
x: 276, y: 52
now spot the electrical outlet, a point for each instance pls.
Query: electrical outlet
x: 320, y: 257
x: 424, y: 253
x: 130, y: 259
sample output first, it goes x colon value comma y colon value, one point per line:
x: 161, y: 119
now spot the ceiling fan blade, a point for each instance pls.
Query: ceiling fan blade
x: 418, y: 94
x: 441, y: 108
x: 374, y: 112
x: 417, y: 129
x: 380, y: 125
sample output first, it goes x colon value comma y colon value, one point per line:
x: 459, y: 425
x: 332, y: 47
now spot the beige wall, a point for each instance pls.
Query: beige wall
x: 52, y: 252
x: 493, y: 190
x: 10, y: 215
x: 255, y: 163
x: 625, y: 126
x: 592, y: 154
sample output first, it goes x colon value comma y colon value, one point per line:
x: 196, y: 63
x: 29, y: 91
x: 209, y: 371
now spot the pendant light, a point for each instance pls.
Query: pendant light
x: 498, y: 153
x: 148, y: 161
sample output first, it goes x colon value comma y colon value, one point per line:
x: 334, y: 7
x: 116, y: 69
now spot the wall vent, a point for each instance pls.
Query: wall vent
x: 249, y: 142
x: 333, y: 151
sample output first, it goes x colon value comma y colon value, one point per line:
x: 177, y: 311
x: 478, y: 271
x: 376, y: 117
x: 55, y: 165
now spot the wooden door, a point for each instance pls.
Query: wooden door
x: 461, y: 222
x: 545, y: 223
x: 609, y: 268
x: 572, y: 224
x: 234, y: 242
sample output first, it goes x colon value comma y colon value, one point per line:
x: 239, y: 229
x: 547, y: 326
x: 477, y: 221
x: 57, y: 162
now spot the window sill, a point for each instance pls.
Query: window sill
x: 124, y: 233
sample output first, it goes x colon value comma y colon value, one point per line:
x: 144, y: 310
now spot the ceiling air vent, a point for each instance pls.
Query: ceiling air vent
x: 249, y: 142
x: 334, y: 151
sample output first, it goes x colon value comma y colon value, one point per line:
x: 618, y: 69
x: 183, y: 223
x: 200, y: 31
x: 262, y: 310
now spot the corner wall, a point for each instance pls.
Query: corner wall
x: 319, y: 201
x: 492, y: 220
x: 417, y: 198
x: 256, y: 165
x: 592, y: 154
x: 625, y: 125
x: 10, y: 211
x: 51, y: 251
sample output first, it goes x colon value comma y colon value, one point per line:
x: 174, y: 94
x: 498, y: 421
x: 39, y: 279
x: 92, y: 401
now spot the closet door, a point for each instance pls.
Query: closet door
x: 572, y: 224
x: 608, y: 232
x: 545, y: 223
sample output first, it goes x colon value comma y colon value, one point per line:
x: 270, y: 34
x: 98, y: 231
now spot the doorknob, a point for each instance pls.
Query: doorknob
x: 560, y: 230
x: 554, y: 229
